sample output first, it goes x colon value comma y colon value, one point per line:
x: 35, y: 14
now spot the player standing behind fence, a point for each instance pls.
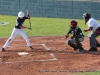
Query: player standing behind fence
x: 76, y: 38
x: 18, y: 29
x: 94, y: 27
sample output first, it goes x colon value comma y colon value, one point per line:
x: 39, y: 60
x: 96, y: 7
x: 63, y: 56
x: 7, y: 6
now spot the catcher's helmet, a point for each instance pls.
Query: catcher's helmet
x: 73, y: 24
x: 20, y: 14
x: 86, y: 16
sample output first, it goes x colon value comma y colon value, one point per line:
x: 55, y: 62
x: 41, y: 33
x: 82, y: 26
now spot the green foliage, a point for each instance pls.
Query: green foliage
x: 40, y: 26
x: 88, y: 73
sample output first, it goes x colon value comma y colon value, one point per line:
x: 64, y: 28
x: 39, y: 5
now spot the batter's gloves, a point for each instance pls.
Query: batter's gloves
x: 29, y: 16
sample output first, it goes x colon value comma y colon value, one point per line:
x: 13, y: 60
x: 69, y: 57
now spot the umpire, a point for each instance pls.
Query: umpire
x: 94, y: 27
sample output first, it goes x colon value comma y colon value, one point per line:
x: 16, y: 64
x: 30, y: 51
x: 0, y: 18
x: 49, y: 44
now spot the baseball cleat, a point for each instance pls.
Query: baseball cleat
x: 98, y: 45
x: 93, y: 49
x: 31, y: 47
x: 81, y: 51
x: 3, y: 50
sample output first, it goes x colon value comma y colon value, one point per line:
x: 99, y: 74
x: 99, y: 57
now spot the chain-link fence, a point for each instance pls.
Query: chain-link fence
x: 75, y: 0
x: 71, y: 9
x: 52, y: 8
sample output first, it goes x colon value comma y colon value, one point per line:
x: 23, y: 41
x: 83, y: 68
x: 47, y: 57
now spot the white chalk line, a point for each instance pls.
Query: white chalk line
x: 16, y: 45
x: 43, y: 60
x: 53, y: 56
x: 47, y: 48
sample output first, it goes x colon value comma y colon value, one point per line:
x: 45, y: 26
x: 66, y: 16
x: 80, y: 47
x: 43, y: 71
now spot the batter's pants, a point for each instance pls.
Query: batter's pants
x: 15, y: 32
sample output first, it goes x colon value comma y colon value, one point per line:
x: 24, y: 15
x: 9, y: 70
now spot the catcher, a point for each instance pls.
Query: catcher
x: 76, y: 38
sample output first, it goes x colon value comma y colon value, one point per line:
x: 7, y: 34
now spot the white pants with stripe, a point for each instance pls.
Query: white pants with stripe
x: 15, y: 32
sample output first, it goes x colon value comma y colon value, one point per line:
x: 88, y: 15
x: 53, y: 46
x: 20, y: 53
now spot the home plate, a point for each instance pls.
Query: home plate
x: 23, y: 53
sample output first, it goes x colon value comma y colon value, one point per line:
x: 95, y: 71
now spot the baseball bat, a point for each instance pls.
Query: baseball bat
x: 28, y: 14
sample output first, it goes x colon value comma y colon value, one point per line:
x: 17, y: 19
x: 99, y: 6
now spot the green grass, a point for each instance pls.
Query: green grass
x: 88, y: 73
x: 40, y: 26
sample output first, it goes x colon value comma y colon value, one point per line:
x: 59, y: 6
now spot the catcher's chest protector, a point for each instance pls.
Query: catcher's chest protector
x: 74, y: 32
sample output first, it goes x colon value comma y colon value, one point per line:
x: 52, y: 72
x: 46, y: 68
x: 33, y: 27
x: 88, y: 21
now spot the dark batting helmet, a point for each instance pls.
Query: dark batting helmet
x: 86, y: 16
x: 73, y: 24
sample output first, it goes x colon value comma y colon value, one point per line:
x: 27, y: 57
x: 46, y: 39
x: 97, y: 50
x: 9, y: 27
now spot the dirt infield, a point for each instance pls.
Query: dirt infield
x: 52, y: 56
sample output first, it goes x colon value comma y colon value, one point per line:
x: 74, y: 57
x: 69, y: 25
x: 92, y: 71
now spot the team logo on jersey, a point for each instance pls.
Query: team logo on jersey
x: 3, y: 23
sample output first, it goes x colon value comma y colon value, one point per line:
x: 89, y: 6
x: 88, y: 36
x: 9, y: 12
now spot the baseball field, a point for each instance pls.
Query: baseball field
x: 51, y: 54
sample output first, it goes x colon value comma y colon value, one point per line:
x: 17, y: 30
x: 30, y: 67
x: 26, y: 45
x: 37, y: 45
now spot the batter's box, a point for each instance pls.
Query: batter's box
x: 41, y: 46
x: 24, y: 47
x: 14, y: 57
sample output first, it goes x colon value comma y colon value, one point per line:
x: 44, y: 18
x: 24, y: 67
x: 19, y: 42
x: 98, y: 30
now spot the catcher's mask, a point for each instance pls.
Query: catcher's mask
x: 73, y: 24
x: 86, y: 17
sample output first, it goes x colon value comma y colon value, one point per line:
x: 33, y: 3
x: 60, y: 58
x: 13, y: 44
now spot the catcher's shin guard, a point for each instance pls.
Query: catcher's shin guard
x: 79, y: 45
x: 72, y: 45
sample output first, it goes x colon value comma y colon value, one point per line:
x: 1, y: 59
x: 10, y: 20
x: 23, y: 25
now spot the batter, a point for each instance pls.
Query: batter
x: 18, y: 29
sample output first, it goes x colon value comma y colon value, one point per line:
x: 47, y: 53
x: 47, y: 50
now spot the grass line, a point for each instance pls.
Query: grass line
x: 40, y: 26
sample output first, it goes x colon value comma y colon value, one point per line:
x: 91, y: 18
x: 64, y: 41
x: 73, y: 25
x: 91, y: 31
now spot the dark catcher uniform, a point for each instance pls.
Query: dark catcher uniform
x: 76, y: 38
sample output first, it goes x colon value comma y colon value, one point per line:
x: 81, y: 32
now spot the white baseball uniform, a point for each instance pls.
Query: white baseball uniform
x: 17, y: 30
